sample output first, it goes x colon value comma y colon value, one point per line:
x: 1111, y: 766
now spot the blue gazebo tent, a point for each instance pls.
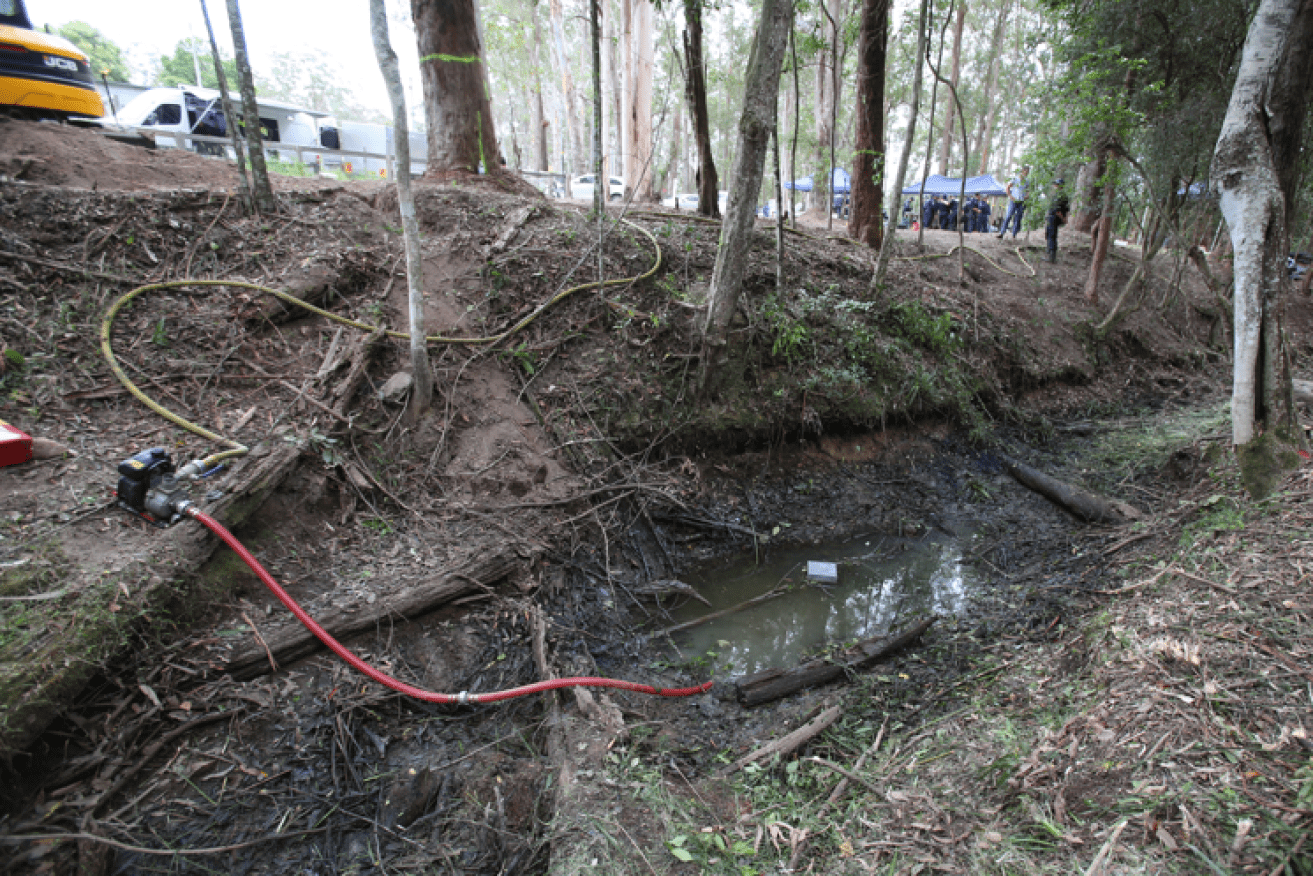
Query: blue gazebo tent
x: 841, y: 181
x: 946, y: 185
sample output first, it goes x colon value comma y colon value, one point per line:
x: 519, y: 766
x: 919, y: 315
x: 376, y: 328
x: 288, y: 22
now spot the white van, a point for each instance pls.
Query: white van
x: 188, y: 109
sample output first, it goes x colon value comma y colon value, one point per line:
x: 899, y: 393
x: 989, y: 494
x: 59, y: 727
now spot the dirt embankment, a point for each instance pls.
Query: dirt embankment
x: 508, y: 535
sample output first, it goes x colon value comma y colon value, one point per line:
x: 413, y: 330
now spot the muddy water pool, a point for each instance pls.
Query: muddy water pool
x: 882, y: 582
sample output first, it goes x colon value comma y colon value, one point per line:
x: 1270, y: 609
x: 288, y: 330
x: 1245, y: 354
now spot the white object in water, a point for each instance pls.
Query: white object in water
x: 825, y: 573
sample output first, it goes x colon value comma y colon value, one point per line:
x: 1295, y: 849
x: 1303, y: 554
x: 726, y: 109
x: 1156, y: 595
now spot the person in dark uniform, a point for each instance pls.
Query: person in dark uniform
x: 1059, y: 207
x: 927, y: 212
x: 973, y: 213
x: 982, y: 224
x: 950, y: 215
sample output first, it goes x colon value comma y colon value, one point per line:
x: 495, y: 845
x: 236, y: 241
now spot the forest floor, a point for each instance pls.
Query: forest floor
x: 1111, y: 698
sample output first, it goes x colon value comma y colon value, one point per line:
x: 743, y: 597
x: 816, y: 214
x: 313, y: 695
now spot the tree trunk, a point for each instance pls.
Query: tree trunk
x: 708, y: 181
x: 1255, y: 167
x: 950, y: 111
x: 421, y: 392
x: 826, y: 99
x: 461, y: 134
x: 230, y: 116
x: 540, y: 123
x: 985, y: 147
x: 574, y: 141
x: 864, y: 223
x: 669, y: 175
x: 761, y: 89
x: 639, y: 57
x: 886, y: 246
x: 1089, y: 191
x: 930, y: 132
x: 1101, y: 243
x: 264, y: 193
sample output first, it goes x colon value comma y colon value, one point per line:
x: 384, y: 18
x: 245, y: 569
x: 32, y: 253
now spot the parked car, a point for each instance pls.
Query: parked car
x: 682, y: 202
x: 581, y: 188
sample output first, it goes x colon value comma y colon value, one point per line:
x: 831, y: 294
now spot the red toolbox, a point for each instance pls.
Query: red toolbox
x: 15, y: 446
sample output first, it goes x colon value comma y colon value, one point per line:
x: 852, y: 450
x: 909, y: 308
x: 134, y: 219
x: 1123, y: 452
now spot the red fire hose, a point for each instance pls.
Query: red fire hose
x: 410, y: 690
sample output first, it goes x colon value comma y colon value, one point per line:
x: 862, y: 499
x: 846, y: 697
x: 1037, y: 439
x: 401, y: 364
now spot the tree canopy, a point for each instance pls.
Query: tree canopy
x: 106, y: 56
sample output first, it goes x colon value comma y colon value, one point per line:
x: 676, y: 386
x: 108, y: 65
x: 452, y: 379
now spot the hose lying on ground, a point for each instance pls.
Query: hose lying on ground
x: 400, y: 686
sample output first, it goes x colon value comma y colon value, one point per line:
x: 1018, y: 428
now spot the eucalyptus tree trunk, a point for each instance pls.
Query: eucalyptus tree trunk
x: 230, y: 117
x: 760, y: 93
x: 1255, y: 168
x: 708, y: 181
x: 946, y: 147
x: 574, y: 140
x: 636, y: 124
x: 461, y: 134
x: 540, y: 123
x: 421, y: 391
x: 984, y: 150
x: 886, y: 246
x: 264, y: 193
x: 869, y: 160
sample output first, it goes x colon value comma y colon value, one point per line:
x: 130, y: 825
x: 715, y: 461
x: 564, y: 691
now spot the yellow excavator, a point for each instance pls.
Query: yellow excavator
x: 42, y: 76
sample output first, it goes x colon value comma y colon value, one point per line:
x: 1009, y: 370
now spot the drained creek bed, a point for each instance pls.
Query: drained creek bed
x: 882, y: 582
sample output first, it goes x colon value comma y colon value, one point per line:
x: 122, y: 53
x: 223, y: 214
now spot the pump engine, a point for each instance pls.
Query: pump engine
x: 147, y: 487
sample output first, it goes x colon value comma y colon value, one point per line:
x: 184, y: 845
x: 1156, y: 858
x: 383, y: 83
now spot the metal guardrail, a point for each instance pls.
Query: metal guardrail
x: 184, y: 140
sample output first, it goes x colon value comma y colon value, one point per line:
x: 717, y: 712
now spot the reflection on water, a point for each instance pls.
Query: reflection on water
x: 881, y: 581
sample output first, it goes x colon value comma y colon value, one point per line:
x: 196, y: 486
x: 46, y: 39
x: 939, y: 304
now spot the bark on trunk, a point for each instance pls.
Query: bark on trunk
x: 991, y: 85
x: 761, y: 89
x: 540, y: 123
x: 243, y: 184
x: 263, y: 192
x: 950, y: 111
x: 886, y: 246
x: 421, y: 391
x: 707, y: 179
x: 1255, y: 166
x: 574, y: 140
x: 1103, y: 239
x: 639, y: 55
x: 864, y: 222
x: 461, y: 135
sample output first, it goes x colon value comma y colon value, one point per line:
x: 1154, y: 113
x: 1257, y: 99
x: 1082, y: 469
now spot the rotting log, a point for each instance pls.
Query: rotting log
x: 312, y: 286
x: 1090, y: 507
x: 42, y: 671
x: 355, y: 355
x: 786, y: 745
x: 293, y: 641
x: 772, y: 684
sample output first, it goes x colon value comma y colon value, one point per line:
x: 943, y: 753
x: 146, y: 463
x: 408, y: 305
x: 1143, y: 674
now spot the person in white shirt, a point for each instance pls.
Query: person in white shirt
x: 1016, y: 202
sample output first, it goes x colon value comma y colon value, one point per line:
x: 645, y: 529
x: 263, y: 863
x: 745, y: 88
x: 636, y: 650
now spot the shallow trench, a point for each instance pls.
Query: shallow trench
x: 377, y: 783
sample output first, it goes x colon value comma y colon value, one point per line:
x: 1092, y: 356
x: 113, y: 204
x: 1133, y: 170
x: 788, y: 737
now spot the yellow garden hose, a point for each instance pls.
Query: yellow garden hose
x: 239, y: 449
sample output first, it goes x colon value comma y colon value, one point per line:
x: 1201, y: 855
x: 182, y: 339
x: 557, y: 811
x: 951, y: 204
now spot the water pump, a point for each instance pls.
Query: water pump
x: 148, y: 488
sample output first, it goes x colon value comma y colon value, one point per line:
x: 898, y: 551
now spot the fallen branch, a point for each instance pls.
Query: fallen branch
x: 1090, y: 507
x: 772, y: 684
x: 786, y: 745
x: 293, y: 641
x: 716, y: 615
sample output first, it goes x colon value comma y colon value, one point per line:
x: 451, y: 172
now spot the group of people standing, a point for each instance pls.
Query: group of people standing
x: 941, y: 211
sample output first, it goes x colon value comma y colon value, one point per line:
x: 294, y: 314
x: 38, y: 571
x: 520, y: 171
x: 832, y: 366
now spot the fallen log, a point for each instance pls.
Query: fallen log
x: 1090, y: 507
x: 292, y: 641
x: 311, y: 286
x: 786, y: 745
x: 772, y: 684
